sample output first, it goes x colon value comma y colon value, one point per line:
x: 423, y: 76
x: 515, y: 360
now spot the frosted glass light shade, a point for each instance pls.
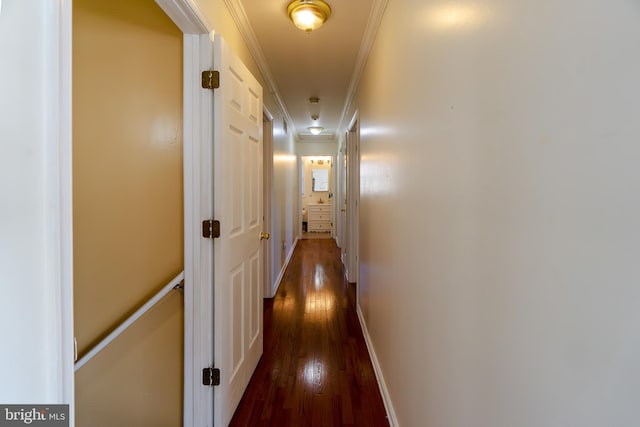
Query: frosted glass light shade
x: 308, y: 15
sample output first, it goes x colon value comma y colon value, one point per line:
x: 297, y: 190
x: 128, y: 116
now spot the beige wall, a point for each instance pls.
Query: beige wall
x: 502, y: 165
x: 128, y: 209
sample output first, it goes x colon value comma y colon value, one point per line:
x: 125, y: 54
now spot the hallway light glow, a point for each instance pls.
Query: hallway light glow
x: 308, y: 15
x: 454, y: 17
x: 315, y: 130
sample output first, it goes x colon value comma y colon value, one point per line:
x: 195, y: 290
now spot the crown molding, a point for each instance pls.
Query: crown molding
x: 375, y: 18
x: 246, y: 31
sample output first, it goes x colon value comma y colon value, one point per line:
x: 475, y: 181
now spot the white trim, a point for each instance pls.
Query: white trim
x: 246, y: 31
x: 187, y: 15
x: 198, y: 254
x: 276, y: 284
x: 386, y: 398
x: 375, y: 18
x: 130, y: 321
x: 354, y: 121
x: 340, y: 181
x: 267, y: 200
x: 189, y: 156
x: 58, y: 192
x: 353, y: 202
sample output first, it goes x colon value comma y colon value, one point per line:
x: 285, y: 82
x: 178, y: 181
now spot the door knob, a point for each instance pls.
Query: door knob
x: 264, y: 235
x: 343, y: 210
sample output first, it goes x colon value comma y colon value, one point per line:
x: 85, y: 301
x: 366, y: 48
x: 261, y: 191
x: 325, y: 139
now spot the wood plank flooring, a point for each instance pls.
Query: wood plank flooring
x: 315, y: 370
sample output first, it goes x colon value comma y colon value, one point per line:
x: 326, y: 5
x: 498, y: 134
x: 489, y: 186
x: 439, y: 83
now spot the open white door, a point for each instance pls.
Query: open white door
x: 237, y: 183
x: 353, y: 198
x: 342, y: 203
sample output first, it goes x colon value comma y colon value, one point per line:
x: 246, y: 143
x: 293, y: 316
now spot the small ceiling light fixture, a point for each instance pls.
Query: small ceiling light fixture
x: 315, y: 117
x: 308, y: 15
x: 314, y: 100
x: 315, y: 130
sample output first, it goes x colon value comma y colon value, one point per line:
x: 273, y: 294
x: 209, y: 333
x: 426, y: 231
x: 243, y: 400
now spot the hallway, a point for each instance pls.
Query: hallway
x: 315, y: 370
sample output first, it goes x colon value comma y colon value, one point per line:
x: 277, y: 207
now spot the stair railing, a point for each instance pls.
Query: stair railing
x: 176, y: 283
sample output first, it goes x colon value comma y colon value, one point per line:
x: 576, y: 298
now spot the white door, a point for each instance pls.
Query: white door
x: 342, y: 202
x: 237, y: 183
x: 353, y: 199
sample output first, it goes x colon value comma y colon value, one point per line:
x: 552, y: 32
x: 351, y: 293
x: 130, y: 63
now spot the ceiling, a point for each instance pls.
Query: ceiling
x: 326, y: 63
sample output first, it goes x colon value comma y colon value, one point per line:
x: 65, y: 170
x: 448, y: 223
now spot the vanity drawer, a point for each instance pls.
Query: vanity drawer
x: 319, y: 226
x: 326, y: 209
x: 319, y: 216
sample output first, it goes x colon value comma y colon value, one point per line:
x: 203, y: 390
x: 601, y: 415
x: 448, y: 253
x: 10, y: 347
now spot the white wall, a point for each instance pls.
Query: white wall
x: 36, y: 359
x: 326, y: 147
x: 502, y: 164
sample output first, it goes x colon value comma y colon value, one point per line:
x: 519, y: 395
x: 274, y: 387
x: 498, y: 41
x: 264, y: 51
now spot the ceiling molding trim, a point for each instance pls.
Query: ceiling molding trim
x: 369, y: 36
x: 246, y: 31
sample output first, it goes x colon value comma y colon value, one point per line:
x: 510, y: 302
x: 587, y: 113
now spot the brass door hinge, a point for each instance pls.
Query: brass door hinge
x: 210, y: 79
x: 210, y: 228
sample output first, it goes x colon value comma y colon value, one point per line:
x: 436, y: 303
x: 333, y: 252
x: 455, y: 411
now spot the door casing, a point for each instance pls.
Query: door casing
x: 353, y: 198
x: 267, y: 165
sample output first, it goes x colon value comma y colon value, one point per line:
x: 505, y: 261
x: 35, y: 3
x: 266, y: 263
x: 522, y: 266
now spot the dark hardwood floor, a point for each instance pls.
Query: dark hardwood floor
x: 315, y: 370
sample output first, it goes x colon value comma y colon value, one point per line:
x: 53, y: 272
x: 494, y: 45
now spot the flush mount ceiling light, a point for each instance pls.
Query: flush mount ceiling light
x: 308, y: 15
x: 315, y: 130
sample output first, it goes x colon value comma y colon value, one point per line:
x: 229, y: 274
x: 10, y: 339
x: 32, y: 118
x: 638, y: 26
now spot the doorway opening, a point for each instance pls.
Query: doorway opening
x: 316, y: 197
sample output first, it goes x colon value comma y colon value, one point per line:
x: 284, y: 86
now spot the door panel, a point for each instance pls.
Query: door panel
x: 238, y: 206
x: 344, y: 241
x: 352, y: 201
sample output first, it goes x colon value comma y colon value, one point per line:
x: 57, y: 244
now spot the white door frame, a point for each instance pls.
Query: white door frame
x: 341, y: 239
x: 58, y: 191
x: 332, y: 189
x: 353, y: 202
x: 267, y: 181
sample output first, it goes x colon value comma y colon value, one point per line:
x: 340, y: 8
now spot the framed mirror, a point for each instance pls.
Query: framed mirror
x: 320, y: 179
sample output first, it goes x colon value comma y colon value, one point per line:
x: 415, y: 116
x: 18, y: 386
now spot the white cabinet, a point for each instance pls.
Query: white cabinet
x: 319, y: 217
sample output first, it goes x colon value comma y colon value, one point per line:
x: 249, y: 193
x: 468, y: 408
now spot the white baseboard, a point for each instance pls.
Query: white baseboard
x: 391, y: 413
x: 276, y: 285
